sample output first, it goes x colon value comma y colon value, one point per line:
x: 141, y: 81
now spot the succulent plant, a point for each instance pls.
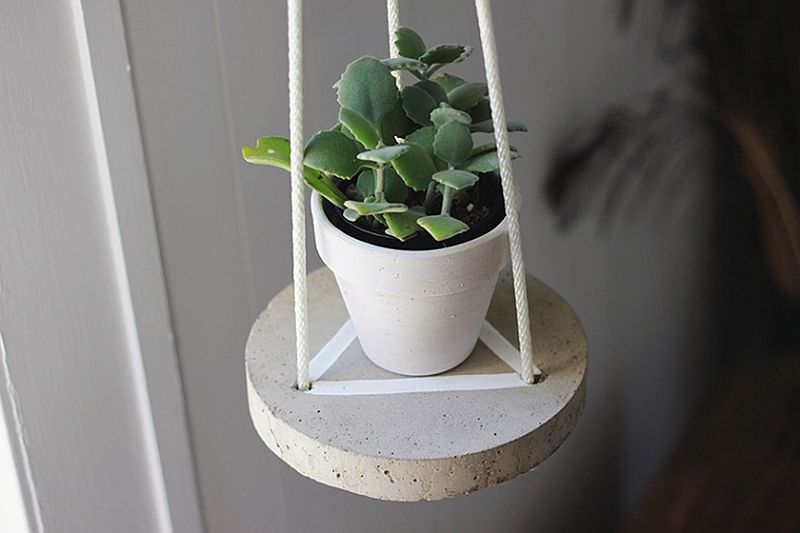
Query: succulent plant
x: 394, y: 141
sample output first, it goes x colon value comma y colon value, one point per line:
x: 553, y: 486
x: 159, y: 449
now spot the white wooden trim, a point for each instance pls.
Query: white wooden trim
x: 13, y: 514
x: 20, y: 506
x: 121, y: 163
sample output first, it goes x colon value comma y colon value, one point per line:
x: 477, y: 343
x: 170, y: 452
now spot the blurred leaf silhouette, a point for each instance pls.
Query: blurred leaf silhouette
x: 734, y: 89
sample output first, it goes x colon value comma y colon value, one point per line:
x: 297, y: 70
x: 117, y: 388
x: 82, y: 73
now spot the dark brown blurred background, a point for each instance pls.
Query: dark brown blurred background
x: 736, y: 89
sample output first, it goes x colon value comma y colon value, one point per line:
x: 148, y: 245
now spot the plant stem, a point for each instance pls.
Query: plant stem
x: 429, y: 194
x: 447, y: 198
x: 379, y: 196
x: 432, y: 70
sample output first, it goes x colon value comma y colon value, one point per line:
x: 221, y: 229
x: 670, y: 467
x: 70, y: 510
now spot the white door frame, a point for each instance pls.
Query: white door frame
x: 150, y: 408
x: 121, y: 160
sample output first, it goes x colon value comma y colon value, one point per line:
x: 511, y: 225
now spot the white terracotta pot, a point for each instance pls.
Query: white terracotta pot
x: 415, y: 312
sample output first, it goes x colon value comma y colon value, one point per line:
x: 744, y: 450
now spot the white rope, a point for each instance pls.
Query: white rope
x: 392, y: 23
x: 295, y: 21
x: 485, y: 24
x: 484, y: 12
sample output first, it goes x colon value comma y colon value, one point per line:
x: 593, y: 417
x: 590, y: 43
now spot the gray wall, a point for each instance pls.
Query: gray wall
x: 211, y: 77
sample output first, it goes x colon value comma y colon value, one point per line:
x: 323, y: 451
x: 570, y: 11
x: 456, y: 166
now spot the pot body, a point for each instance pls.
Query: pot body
x: 415, y: 312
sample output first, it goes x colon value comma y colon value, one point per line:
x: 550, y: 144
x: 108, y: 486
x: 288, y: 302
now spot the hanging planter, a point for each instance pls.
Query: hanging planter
x: 415, y: 221
x: 408, y: 211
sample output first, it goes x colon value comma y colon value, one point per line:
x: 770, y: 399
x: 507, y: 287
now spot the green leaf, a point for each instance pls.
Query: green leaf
x: 434, y: 89
x: 442, y: 227
x: 333, y: 152
x: 453, y: 142
x: 274, y: 151
x: 404, y: 63
x: 445, y: 54
x: 444, y: 114
x: 375, y: 208
x: 468, y: 95
x: 481, y: 111
x: 351, y: 215
x: 488, y: 147
x: 486, y: 162
x: 326, y: 188
x: 341, y: 128
x: 409, y: 43
x: 395, y: 123
x: 457, y: 179
x: 394, y: 188
x: 515, y: 125
x: 423, y: 138
x: 418, y: 104
x: 361, y: 128
x: 487, y: 127
x: 448, y: 82
x: 385, y: 154
x: 403, y: 225
x: 415, y: 167
x: 368, y: 88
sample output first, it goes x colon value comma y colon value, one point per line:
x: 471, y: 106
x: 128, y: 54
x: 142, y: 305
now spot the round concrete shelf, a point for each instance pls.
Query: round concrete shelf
x: 422, y: 445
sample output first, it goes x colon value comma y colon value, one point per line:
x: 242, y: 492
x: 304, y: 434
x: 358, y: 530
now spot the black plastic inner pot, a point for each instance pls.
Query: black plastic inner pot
x: 491, y: 193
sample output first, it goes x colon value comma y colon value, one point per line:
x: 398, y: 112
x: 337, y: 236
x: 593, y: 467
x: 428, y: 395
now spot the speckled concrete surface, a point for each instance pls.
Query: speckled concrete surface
x: 421, y: 446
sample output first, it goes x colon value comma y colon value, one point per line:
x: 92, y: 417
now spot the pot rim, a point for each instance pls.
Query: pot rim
x: 322, y: 219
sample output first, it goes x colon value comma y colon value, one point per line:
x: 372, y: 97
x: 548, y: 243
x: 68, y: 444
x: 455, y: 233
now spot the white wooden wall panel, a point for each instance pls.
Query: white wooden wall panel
x: 198, y: 204
x: 210, y: 76
x: 156, y: 371
x: 91, y: 390
x: 64, y: 334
